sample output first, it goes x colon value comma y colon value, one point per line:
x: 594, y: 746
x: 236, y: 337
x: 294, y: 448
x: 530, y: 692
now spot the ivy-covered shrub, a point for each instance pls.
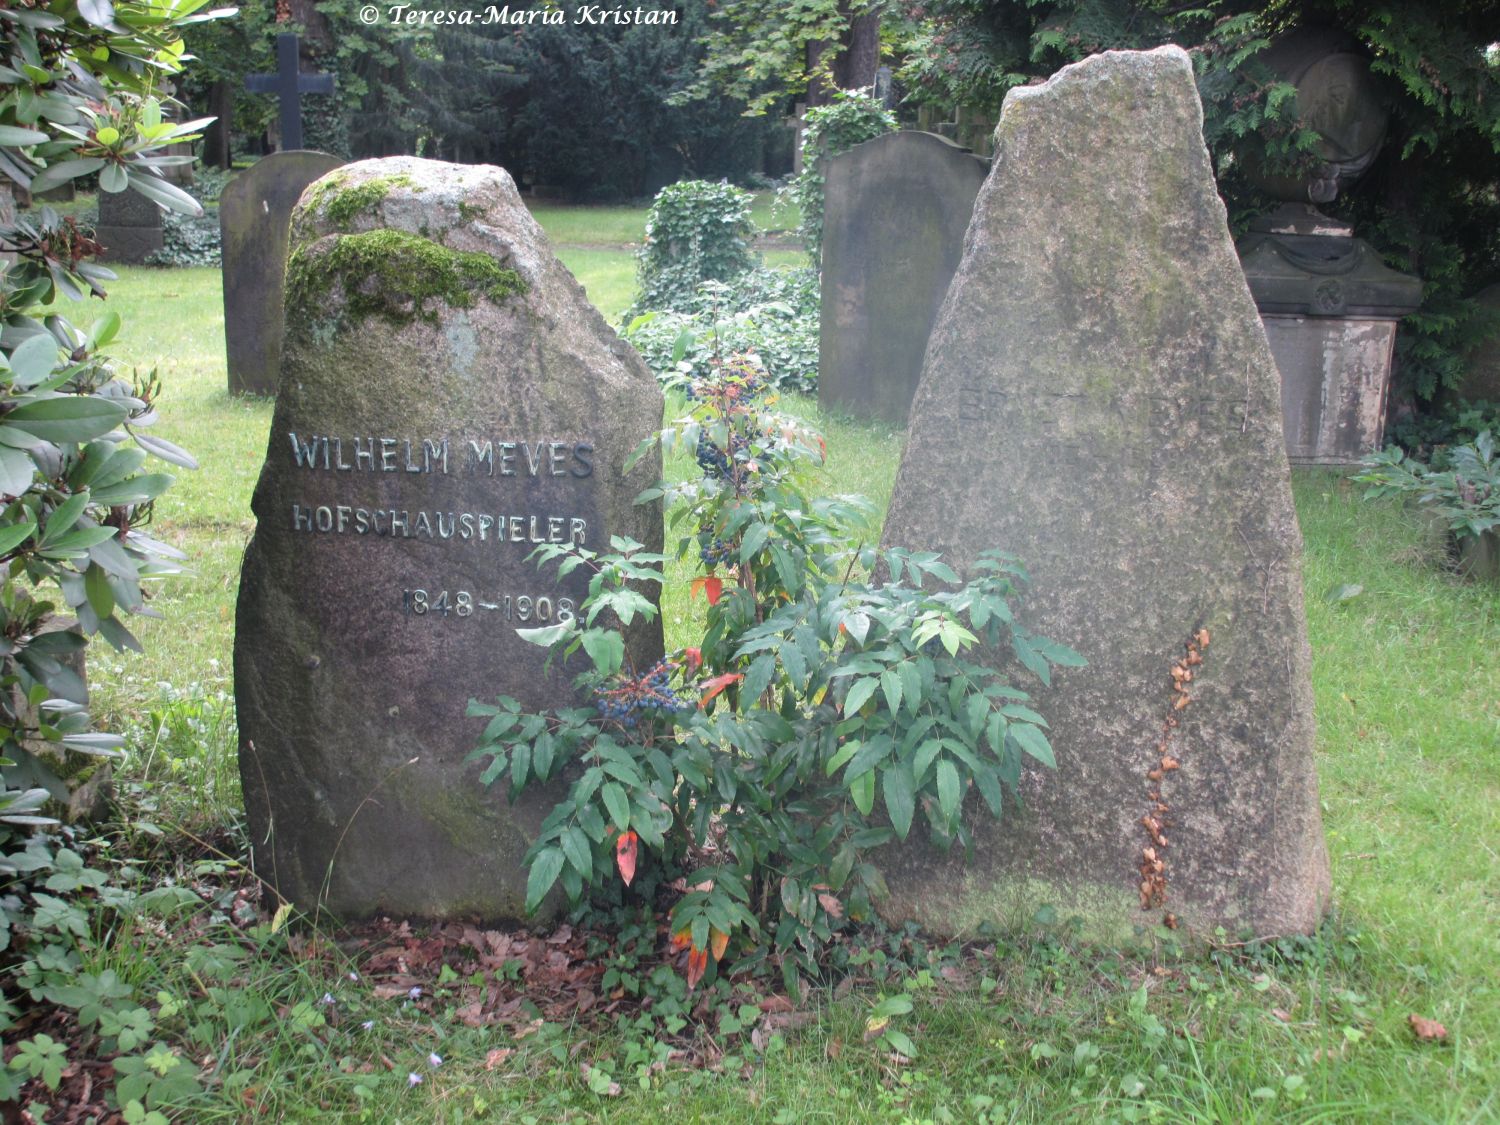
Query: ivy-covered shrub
x: 822, y: 715
x: 188, y: 241
x: 852, y: 118
x: 695, y: 232
x: 769, y: 313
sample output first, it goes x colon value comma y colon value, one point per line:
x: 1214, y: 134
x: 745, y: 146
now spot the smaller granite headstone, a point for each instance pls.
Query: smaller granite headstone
x: 894, y: 219
x: 255, y: 212
x: 129, y: 227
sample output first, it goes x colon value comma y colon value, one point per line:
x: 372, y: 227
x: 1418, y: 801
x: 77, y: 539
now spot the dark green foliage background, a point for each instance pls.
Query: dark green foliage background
x: 1430, y: 203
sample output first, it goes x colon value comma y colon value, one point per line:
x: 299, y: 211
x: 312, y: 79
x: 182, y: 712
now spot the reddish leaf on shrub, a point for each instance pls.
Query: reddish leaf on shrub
x: 712, y: 587
x: 697, y: 962
x: 682, y: 939
x: 694, y: 659
x: 625, y: 856
x: 718, y: 941
x: 712, y: 687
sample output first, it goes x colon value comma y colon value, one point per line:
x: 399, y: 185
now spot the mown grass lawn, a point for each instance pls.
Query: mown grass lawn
x: 1026, y: 1025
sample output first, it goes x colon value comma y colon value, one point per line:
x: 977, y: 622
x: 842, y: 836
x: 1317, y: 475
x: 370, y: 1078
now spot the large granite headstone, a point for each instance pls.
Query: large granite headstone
x: 449, y: 400
x: 255, y: 211
x: 893, y: 229
x: 129, y: 227
x: 1098, y: 397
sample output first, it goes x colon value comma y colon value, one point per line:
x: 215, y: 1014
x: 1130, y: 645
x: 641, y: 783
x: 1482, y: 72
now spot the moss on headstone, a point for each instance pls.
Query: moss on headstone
x: 341, y: 203
x: 395, y: 275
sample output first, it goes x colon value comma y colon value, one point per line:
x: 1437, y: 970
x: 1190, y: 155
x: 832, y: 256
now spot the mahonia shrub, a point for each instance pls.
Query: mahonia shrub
x: 696, y: 231
x: 823, y: 715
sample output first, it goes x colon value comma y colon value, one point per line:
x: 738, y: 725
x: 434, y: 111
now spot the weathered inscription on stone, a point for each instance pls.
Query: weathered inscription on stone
x: 415, y: 464
x: 571, y: 460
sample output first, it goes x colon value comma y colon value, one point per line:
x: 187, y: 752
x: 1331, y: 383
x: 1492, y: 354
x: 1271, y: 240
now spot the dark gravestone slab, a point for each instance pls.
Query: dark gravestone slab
x: 438, y: 416
x: 129, y: 228
x: 1481, y: 381
x: 255, y: 212
x: 895, y: 214
x: 1098, y: 398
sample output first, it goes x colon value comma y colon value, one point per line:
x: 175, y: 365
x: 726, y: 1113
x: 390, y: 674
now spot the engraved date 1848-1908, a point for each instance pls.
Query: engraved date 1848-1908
x: 525, y: 608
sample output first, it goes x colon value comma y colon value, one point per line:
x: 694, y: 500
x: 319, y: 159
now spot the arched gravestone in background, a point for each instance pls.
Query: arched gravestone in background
x: 895, y: 213
x: 254, y: 212
x: 1099, y: 399
x: 420, y: 450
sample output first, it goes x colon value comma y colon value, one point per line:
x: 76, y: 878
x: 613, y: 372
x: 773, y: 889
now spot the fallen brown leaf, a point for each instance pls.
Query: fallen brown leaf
x: 1426, y: 1030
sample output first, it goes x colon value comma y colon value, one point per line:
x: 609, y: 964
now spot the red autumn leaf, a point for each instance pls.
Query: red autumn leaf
x: 712, y: 587
x: 697, y: 962
x: 682, y: 939
x: 718, y: 942
x: 1428, y: 1031
x: 712, y: 687
x: 625, y: 856
x: 694, y: 659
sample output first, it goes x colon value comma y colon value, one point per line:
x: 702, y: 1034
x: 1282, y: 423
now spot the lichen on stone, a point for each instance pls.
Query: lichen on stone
x: 395, y: 275
x: 341, y: 204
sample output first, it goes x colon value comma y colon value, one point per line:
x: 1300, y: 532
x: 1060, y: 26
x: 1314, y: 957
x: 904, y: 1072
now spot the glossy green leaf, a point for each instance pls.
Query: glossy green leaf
x: 950, y: 790
x: 1034, y: 742
x: 617, y: 804
x: 17, y: 471
x: 606, y: 649
x: 544, y: 871
x: 859, y: 692
x: 862, y: 790
x: 900, y: 796
x: 576, y: 847
x: 69, y: 418
x: 34, y: 360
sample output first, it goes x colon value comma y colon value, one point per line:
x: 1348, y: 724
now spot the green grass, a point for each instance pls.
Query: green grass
x: 1040, y: 1028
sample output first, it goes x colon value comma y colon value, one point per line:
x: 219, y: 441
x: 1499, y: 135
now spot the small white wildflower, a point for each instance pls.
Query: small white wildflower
x: 434, y: 1059
x: 328, y: 999
x: 414, y: 992
x: 353, y: 976
x: 368, y: 1025
x: 413, y: 1079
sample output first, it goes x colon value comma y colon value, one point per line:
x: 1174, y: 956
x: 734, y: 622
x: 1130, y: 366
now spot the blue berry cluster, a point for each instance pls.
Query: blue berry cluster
x: 650, y: 694
x: 711, y: 459
x: 714, y: 551
x: 716, y: 462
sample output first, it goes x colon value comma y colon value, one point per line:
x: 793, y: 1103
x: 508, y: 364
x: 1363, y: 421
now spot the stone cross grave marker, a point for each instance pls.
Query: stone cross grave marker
x: 893, y: 229
x: 289, y: 83
x: 255, y: 212
x: 449, y: 400
x: 1098, y: 398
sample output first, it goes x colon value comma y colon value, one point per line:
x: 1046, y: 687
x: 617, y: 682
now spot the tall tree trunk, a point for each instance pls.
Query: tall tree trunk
x: 856, y: 57
x: 216, y: 152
